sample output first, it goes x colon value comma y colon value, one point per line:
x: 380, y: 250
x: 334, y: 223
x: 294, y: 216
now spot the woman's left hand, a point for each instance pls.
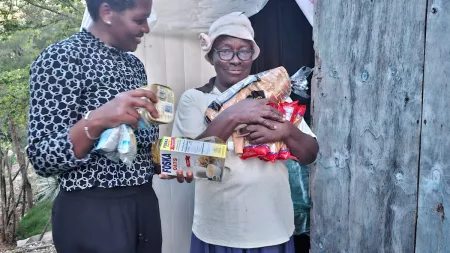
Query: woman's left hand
x: 180, y: 176
x: 258, y: 134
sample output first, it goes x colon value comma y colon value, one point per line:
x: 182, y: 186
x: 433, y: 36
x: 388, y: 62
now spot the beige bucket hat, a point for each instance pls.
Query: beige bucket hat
x: 235, y: 24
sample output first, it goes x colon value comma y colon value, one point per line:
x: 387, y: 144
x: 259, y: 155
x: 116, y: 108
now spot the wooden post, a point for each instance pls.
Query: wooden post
x: 433, y: 226
x: 366, y: 107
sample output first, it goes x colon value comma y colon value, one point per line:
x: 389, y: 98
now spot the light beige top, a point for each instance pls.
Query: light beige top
x: 252, y: 206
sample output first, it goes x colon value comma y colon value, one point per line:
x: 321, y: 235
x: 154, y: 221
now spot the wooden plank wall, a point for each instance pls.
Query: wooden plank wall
x: 433, y: 227
x: 177, y: 61
x: 366, y: 108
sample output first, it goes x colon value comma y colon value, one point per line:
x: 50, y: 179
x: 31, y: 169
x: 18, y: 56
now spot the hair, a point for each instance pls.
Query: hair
x: 117, y: 5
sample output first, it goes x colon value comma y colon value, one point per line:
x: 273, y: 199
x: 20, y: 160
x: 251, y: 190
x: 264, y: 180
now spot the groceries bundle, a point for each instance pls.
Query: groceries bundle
x: 275, y: 85
x: 272, y: 151
x: 119, y: 143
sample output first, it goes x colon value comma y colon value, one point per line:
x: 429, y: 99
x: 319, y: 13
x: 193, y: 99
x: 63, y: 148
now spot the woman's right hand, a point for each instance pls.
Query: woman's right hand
x: 256, y: 111
x: 122, y: 109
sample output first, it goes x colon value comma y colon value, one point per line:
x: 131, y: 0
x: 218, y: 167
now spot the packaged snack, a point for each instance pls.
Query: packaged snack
x: 273, y: 152
x: 273, y: 84
x: 296, y: 118
x: 205, y: 157
x: 251, y: 151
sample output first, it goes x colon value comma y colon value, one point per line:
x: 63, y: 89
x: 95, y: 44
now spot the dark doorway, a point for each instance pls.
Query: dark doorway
x: 285, y: 37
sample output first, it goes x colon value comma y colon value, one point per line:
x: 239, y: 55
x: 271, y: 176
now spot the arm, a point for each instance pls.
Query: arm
x: 302, y: 145
x: 222, y: 126
x: 300, y: 141
x: 54, y: 108
x: 247, y: 111
x: 190, y: 120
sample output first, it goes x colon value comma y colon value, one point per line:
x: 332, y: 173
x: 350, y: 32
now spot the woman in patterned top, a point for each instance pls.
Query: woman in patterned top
x: 78, y: 88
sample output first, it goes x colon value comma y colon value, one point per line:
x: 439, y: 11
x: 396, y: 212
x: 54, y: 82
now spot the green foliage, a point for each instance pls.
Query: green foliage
x: 14, y: 95
x: 35, y: 220
x: 18, y: 15
x: 27, y: 27
x: 47, y: 188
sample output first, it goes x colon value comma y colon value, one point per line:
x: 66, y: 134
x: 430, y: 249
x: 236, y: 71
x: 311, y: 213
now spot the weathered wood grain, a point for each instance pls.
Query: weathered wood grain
x: 433, y: 227
x: 366, y: 107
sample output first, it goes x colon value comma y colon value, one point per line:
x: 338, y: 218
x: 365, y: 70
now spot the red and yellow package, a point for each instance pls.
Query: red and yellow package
x: 251, y: 151
x: 271, y: 152
x: 297, y: 117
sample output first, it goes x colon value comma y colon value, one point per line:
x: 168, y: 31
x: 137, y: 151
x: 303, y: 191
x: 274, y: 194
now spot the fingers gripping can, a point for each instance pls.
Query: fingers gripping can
x: 165, y: 106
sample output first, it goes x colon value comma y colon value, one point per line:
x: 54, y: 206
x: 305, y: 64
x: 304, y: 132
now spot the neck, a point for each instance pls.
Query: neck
x: 100, y: 31
x: 221, y: 86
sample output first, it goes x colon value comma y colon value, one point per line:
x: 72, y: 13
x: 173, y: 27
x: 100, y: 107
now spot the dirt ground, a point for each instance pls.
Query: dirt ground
x: 37, y: 247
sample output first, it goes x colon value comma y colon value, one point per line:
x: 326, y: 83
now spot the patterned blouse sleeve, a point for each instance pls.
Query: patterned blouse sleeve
x: 55, y: 88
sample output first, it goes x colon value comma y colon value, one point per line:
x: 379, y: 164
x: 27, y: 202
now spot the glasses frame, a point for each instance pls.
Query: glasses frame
x: 235, y: 53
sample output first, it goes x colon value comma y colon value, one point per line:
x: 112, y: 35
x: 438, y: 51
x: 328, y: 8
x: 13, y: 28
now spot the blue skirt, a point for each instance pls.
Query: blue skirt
x: 198, y: 246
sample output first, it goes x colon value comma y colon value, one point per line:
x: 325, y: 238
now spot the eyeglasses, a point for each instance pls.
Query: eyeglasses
x: 227, y: 55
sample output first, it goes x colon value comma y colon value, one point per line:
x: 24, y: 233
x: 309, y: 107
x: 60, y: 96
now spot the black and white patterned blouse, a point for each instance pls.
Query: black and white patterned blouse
x: 67, y: 80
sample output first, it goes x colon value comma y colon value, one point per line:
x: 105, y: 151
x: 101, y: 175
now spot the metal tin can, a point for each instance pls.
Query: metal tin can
x: 165, y: 105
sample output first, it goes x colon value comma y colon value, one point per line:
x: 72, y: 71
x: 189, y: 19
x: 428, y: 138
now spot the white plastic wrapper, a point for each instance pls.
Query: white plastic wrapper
x: 299, y: 81
x: 127, y: 147
x: 118, y: 144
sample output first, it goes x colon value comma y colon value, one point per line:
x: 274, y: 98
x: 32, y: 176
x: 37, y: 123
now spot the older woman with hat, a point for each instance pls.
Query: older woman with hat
x: 251, y: 209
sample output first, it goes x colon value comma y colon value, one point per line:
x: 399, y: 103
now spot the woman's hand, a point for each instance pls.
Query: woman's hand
x: 122, y: 109
x: 301, y: 145
x: 180, y: 177
x: 259, y: 134
x: 256, y: 111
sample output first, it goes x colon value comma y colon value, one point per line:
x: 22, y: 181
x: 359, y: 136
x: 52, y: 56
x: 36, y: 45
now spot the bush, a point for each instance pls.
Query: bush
x: 34, y: 221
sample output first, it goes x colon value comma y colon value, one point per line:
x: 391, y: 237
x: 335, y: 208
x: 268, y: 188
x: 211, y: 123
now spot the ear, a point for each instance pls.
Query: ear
x: 106, y: 13
x: 210, y: 56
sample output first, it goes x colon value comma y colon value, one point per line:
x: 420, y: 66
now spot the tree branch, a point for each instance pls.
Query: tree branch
x: 49, y: 9
x: 15, y: 205
x: 68, y: 3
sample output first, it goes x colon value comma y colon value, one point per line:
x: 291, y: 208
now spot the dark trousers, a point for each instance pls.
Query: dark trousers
x: 118, y: 220
x: 302, y: 244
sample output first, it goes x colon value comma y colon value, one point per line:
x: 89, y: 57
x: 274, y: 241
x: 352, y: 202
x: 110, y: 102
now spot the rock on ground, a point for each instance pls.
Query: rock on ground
x: 35, y: 247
